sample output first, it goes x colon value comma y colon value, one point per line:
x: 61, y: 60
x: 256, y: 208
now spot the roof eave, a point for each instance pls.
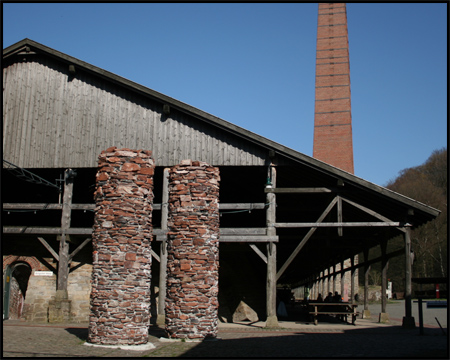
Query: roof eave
x: 223, y: 124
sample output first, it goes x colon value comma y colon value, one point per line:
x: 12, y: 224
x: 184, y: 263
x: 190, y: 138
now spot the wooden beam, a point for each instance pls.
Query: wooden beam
x: 63, y: 264
x: 44, y: 206
x: 49, y: 248
x: 248, y: 238
x: 243, y: 231
x: 82, y: 245
x: 45, y: 230
x: 408, y: 270
x: 161, y: 316
x: 259, y: 252
x: 339, y: 224
x: 241, y: 206
x: 297, y: 190
x: 370, y: 212
x: 384, y: 268
x: 271, y: 278
x: 339, y: 217
x: 155, y: 255
x: 159, y: 233
x: 305, y: 239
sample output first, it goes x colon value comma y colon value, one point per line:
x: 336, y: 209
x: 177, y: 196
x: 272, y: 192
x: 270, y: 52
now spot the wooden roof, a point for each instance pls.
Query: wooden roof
x: 301, y: 165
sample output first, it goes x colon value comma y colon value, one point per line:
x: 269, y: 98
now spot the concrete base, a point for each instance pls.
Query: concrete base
x: 161, y: 320
x: 366, y: 314
x: 272, y: 322
x: 141, y: 347
x: 384, y: 318
x: 59, y: 310
x: 408, y: 322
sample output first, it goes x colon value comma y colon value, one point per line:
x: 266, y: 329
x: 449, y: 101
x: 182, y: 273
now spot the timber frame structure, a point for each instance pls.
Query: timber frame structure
x: 286, y: 215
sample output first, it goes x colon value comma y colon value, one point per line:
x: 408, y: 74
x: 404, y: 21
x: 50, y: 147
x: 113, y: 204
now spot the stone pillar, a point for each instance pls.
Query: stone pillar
x: 120, y: 296
x: 193, y: 251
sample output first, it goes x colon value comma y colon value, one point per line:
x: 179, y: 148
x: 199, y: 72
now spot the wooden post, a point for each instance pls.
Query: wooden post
x: 339, y: 215
x: 63, y: 264
x: 271, y: 285
x: 408, y: 319
x: 366, y: 313
x: 352, y: 280
x: 161, y: 317
x: 334, y: 278
x: 384, y: 264
x: 342, y: 278
x: 321, y: 283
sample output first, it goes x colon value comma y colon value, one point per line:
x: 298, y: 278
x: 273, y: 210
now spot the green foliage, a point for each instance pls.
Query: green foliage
x: 426, y: 183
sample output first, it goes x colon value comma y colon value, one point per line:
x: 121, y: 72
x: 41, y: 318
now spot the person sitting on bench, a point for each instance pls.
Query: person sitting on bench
x: 336, y: 297
x: 329, y: 297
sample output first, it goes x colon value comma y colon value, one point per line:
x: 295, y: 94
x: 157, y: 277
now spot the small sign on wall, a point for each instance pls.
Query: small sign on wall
x: 43, y: 273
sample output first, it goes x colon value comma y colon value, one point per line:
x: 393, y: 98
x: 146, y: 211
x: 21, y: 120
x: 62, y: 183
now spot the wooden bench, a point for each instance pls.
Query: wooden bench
x: 339, y: 309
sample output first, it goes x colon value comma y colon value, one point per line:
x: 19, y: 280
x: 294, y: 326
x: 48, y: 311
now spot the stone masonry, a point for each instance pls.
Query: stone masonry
x: 193, y: 251
x: 120, y: 296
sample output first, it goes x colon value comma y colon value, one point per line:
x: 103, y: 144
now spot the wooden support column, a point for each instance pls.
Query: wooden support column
x: 63, y: 264
x: 366, y: 312
x: 352, y: 280
x: 161, y: 317
x: 321, y: 283
x: 408, y: 319
x: 333, y: 277
x: 384, y: 316
x: 339, y: 215
x: 342, y: 278
x: 271, y: 285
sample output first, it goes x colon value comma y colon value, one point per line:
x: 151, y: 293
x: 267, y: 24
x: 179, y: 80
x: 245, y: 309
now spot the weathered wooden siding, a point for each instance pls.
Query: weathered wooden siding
x: 53, y: 120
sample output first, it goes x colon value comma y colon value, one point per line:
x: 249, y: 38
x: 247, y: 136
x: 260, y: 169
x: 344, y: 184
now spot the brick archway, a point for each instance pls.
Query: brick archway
x: 17, y: 274
x: 30, y: 260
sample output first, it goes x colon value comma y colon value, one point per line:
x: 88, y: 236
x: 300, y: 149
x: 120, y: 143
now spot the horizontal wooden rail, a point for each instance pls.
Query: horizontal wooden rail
x: 297, y: 190
x: 44, y: 206
x: 340, y: 224
x: 226, y: 234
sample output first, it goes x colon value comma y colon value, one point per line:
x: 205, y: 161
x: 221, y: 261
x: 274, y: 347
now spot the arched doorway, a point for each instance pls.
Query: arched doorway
x: 15, y: 288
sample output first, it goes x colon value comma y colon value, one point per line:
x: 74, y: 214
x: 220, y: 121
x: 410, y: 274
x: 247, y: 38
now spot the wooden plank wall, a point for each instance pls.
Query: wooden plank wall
x: 51, y: 120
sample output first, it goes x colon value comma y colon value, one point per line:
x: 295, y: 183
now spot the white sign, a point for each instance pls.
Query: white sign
x: 43, y: 273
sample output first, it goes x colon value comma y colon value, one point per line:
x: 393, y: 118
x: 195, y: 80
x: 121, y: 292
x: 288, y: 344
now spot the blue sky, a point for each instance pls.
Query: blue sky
x: 254, y: 65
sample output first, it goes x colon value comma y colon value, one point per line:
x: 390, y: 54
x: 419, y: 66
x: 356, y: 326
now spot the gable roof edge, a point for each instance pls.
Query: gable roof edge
x: 218, y: 122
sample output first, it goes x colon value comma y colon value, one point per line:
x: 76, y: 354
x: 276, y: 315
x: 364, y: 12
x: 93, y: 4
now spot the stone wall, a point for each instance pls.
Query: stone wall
x: 120, y: 296
x: 40, y: 291
x: 193, y: 251
x: 79, y: 290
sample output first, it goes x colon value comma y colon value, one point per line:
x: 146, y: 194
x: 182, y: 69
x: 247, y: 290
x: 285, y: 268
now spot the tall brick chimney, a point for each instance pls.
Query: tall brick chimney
x: 332, y: 118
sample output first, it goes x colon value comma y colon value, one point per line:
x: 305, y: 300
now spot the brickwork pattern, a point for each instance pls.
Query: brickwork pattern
x: 333, y: 141
x: 120, y: 296
x: 193, y: 251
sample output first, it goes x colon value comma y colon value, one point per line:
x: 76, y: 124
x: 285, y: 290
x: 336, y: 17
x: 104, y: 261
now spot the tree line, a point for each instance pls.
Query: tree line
x: 427, y: 184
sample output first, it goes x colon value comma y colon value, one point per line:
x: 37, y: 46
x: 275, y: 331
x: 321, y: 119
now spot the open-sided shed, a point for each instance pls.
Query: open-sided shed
x: 285, y: 216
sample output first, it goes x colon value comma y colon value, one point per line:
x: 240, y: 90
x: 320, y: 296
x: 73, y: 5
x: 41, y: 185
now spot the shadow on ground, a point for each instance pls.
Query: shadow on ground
x: 389, y: 342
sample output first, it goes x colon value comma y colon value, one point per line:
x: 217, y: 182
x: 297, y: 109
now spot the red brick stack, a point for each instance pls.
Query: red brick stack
x: 333, y: 141
x: 193, y: 251
x: 120, y: 296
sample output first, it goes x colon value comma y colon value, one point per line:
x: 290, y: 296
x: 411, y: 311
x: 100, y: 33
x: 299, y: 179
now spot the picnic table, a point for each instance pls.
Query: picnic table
x: 341, y: 309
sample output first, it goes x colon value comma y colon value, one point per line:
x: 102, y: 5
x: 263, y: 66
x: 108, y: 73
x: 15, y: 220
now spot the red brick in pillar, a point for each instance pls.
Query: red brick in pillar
x: 120, y: 296
x: 193, y: 251
x: 333, y: 141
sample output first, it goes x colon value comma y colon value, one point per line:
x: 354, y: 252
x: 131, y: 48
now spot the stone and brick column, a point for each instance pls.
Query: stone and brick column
x: 120, y: 296
x: 193, y: 251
